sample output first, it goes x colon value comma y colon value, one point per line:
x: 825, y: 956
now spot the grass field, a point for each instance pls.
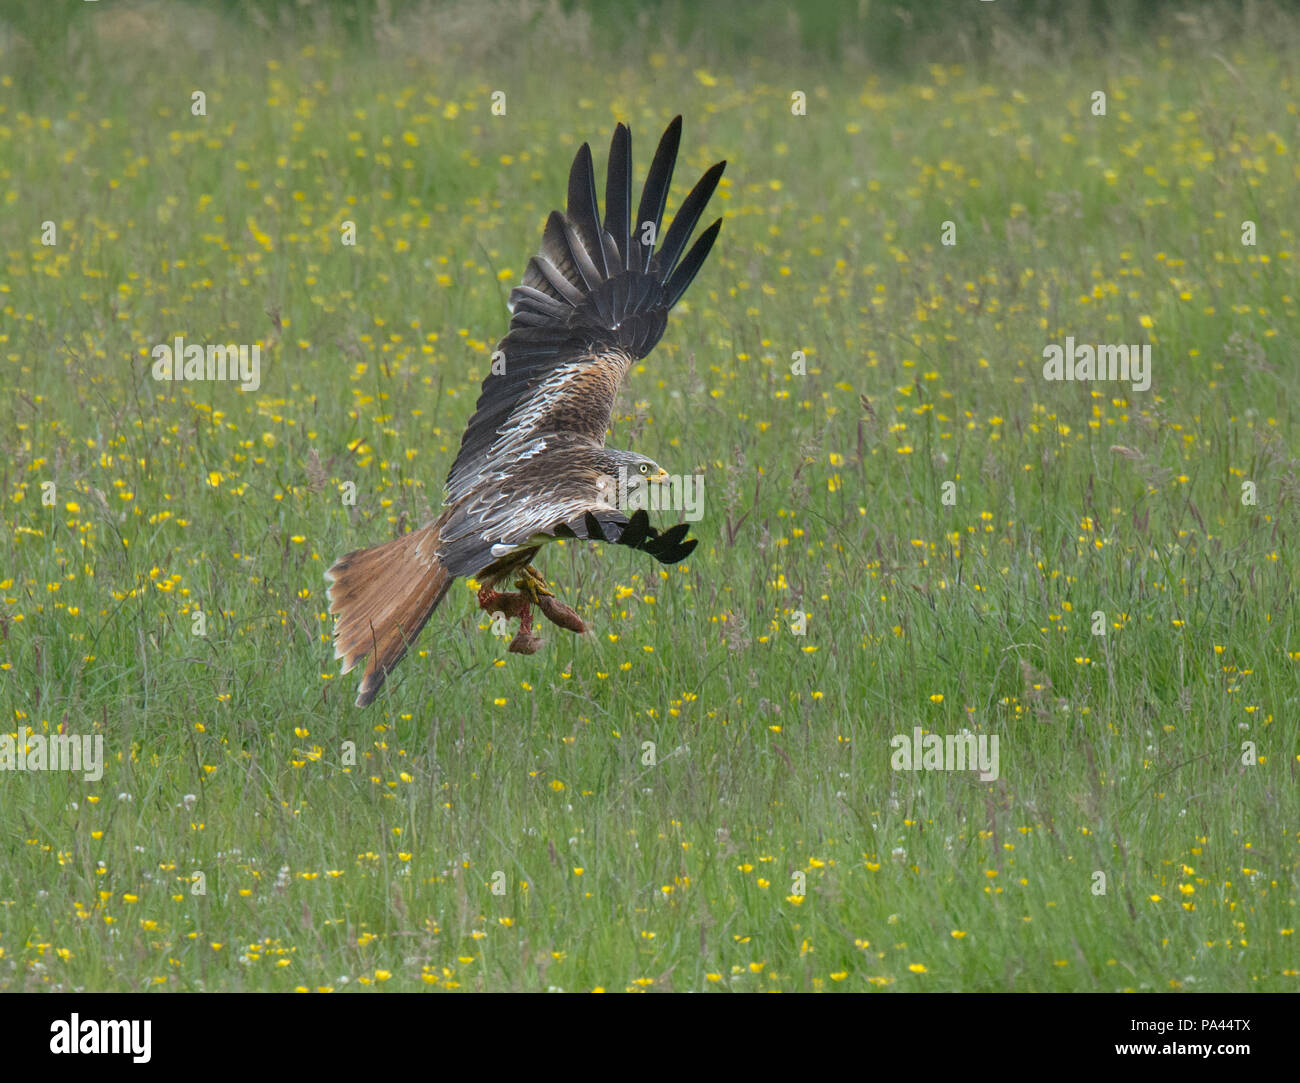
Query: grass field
x: 503, y: 824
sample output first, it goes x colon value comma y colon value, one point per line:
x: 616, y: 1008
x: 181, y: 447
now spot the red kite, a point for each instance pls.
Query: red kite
x: 533, y: 465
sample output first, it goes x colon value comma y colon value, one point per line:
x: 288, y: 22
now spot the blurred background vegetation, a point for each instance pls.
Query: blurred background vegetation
x: 881, y: 34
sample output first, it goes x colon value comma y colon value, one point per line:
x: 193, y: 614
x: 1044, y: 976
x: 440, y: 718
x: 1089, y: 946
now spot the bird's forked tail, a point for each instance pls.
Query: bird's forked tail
x: 382, y: 597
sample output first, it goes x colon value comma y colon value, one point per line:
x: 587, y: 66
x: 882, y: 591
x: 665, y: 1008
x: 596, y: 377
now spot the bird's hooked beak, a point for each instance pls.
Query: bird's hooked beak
x: 660, y: 477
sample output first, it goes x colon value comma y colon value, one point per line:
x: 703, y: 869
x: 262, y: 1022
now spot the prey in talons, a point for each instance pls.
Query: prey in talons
x: 533, y: 591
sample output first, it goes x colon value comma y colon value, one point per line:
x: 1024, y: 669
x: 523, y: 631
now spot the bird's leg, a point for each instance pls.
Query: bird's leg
x: 534, y: 585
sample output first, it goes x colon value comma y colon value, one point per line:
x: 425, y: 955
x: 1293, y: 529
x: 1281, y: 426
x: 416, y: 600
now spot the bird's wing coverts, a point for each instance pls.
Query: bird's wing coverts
x: 534, y: 500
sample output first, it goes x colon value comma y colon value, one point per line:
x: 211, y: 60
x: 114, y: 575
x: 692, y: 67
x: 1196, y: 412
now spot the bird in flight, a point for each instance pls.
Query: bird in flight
x: 533, y: 465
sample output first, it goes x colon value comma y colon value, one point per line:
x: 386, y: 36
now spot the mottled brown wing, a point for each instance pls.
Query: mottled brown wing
x: 593, y: 300
x: 551, y: 496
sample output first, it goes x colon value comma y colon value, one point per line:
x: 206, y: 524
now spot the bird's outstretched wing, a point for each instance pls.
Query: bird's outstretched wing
x: 594, y: 300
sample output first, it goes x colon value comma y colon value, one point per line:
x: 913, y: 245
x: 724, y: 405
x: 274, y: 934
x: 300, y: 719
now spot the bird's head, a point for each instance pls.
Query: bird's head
x: 629, y: 469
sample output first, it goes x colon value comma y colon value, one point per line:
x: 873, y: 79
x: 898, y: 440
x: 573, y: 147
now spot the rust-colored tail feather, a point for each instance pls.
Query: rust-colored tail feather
x: 382, y: 597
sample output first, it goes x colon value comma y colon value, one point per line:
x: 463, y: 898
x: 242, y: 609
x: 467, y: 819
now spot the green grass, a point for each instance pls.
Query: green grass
x: 1120, y: 754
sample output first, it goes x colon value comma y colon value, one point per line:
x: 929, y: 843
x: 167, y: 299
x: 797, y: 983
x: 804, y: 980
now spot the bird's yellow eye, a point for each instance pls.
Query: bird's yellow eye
x: 645, y: 468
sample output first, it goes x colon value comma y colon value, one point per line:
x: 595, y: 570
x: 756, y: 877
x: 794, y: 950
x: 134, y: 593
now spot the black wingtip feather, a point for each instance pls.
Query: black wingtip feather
x: 635, y: 532
x: 685, y: 219
x: 681, y: 552
x: 669, y: 547
x: 581, y: 258
x: 654, y: 196
x: 674, y: 534
x: 582, y: 207
x: 618, y: 192
x: 690, y: 266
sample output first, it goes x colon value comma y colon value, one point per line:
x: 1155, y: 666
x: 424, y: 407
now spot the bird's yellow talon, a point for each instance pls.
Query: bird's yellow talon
x: 534, y: 584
